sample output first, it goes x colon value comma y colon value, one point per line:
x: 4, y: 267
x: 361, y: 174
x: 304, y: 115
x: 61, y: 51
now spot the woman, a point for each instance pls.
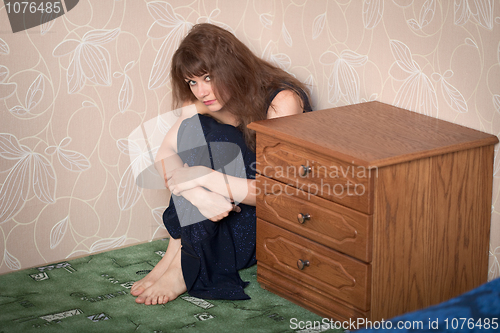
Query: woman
x: 230, y: 88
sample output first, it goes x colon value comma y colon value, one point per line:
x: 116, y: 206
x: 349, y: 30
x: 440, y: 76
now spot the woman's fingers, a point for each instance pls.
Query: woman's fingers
x: 219, y: 217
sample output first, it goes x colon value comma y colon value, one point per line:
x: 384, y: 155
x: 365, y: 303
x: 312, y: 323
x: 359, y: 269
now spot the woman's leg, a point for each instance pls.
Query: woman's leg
x: 170, y: 285
x: 140, y: 286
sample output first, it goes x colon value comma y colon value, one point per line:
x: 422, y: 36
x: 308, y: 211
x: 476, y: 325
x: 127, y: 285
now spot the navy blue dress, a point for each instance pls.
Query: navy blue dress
x: 212, y: 253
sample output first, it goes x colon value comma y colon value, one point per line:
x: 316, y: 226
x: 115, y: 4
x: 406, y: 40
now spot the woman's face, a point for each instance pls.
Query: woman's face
x: 202, y: 89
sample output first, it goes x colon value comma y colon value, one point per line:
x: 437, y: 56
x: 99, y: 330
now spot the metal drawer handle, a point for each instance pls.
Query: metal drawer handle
x: 304, y: 170
x: 303, y: 217
x: 302, y: 263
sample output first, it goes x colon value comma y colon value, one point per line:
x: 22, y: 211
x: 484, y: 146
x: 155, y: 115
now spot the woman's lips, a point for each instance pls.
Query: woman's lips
x: 207, y: 103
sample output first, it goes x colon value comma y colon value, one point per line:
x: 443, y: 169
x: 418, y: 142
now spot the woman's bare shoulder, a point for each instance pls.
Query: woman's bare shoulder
x: 286, y: 103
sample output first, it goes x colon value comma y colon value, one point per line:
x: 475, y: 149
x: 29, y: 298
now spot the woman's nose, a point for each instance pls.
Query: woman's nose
x: 203, y: 90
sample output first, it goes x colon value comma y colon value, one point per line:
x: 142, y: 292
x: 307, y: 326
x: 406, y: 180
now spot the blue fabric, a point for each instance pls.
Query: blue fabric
x: 475, y: 311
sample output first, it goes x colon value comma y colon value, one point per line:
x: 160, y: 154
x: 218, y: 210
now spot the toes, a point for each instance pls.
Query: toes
x: 137, y: 291
x: 152, y: 300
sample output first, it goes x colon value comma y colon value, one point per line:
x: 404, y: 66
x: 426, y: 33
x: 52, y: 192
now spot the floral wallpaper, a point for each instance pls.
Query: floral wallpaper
x: 74, y: 89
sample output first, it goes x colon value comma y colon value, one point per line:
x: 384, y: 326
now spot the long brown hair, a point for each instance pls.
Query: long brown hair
x: 242, y: 81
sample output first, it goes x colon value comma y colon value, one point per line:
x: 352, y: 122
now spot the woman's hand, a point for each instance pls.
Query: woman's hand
x: 186, y: 178
x: 213, y: 206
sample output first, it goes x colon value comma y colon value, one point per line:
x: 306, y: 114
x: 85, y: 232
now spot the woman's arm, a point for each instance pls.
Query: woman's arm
x: 242, y: 190
x: 239, y: 190
x: 167, y: 159
x: 211, y: 205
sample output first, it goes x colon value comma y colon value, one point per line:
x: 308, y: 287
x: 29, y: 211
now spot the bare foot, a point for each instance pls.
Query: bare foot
x: 170, y: 285
x: 161, y: 267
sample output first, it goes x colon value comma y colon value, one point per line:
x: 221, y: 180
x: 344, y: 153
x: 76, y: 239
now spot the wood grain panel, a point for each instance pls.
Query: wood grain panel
x: 334, y: 274
x: 430, y: 233
x: 330, y: 224
x: 463, y: 181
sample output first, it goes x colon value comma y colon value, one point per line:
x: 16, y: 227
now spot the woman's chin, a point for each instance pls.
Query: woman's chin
x: 216, y: 107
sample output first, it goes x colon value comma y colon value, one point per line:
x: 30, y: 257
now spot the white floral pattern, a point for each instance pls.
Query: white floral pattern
x: 127, y: 91
x: 70, y: 160
x: 90, y: 60
x: 158, y: 217
x: 450, y: 94
x: 58, y: 231
x: 267, y: 20
x: 32, y: 170
x: 33, y: 97
x: 480, y: 11
x: 107, y: 244
x: 4, y: 47
x: 343, y: 82
x: 128, y: 191
x: 426, y: 15
x: 164, y: 15
x: 373, y: 10
x: 417, y: 91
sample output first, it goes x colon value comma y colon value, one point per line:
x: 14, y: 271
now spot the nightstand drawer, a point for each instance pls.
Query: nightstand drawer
x: 345, y: 183
x: 320, y: 220
x: 317, y: 266
x: 306, y: 296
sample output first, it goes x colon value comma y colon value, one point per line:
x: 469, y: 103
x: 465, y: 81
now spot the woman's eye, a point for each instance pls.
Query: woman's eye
x: 207, y: 78
x: 191, y: 82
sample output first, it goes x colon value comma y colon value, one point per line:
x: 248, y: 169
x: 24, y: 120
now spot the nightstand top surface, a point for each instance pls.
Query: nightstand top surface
x: 373, y: 134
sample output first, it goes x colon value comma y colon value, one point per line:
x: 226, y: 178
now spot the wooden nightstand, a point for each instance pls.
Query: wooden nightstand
x: 370, y: 210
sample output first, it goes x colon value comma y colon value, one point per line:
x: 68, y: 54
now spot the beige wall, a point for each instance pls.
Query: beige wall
x: 72, y: 91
